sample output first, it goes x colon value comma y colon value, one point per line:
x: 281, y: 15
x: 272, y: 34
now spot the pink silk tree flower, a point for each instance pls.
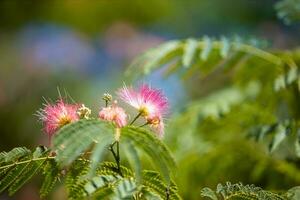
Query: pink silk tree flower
x: 151, y: 104
x: 54, y: 116
x: 157, y: 124
x: 148, y: 101
x: 114, y: 114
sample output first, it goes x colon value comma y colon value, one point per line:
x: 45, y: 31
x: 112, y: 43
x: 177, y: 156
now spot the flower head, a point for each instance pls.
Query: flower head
x: 151, y: 104
x: 84, y: 112
x: 107, y: 97
x: 114, y: 114
x: 157, y: 124
x: 148, y: 101
x: 54, y: 116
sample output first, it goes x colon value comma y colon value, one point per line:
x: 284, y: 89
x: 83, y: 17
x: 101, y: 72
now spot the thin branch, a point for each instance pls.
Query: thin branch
x: 136, y: 117
x: 116, y: 155
x: 168, y: 193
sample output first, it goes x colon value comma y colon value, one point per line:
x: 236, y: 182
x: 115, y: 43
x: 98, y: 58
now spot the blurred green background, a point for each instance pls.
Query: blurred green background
x: 84, y: 47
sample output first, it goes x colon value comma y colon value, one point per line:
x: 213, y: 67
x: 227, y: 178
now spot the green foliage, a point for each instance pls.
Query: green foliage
x: 289, y: 73
x: 74, y: 182
x: 74, y: 139
x: 153, y: 182
x: 239, y: 191
x: 107, y: 183
x: 19, y: 165
x: 244, y: 92
x: 278, y: 134
x: 52, y: 174
x: 152, y: 146
x: 86, y: 176
x: 13, y: 155
x: 204, y: 55
x: 288, y: 10
x: 293, y: 193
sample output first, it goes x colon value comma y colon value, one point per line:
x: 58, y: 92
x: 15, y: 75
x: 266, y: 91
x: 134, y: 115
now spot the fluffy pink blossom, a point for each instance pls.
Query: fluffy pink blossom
x: 157, y: 124
x: 148, y: 101
x: 54, y: 116
x: 151, y: 104
x: 114, y: 114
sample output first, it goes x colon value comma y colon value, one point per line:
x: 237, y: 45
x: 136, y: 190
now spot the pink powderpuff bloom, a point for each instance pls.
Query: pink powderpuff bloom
x: 54, y: 116
x: 114, y: 114
x: 157, y: 124
x: 148, y: 101
x: 151, y: 104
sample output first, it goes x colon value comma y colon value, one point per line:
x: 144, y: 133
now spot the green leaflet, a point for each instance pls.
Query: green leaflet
x: 206, y: 48
x: 280, y: 134
x: 189, y: 52
x: 133, y: 158
x: 51, y: 175
x: 225, y: 47
x: 13, y: 155
x: 155, y: 57
x: 110, y: 168
x: 152, y: 146
x: 239, y: 191
x: 76, y: 179
x: 12, y: 176
x: 98, y: 152
x: 209, y: 193
x: 152, y: 181
x: 220, y: 102
x: 273, y: 135
x: 125, y: 189
x: 15, y: 174
x: 74, y: 139
x: 288, y: 11
x: 293, y: 193
x: 177, y: 53
x: 107, y: 183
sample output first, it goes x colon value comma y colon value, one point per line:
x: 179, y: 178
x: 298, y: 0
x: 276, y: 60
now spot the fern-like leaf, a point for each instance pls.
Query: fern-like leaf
x: 74, y: 179
x: 13, y: 155
x: 194, y: 52
x: 239, y: 191
x: 152, y: 146
x: 288, y: 10
x: 20, y: 165
x: 73, y: 139
x: 107, y: 183
x: 273, y: 135
x: 152, y: 181
x: 51, y: 173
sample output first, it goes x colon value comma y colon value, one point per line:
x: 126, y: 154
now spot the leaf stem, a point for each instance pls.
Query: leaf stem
x: 116, y: 155
x: 145, y: 124
x: 168, y: 193
x: 27, y: 161
x: 136, y: 117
